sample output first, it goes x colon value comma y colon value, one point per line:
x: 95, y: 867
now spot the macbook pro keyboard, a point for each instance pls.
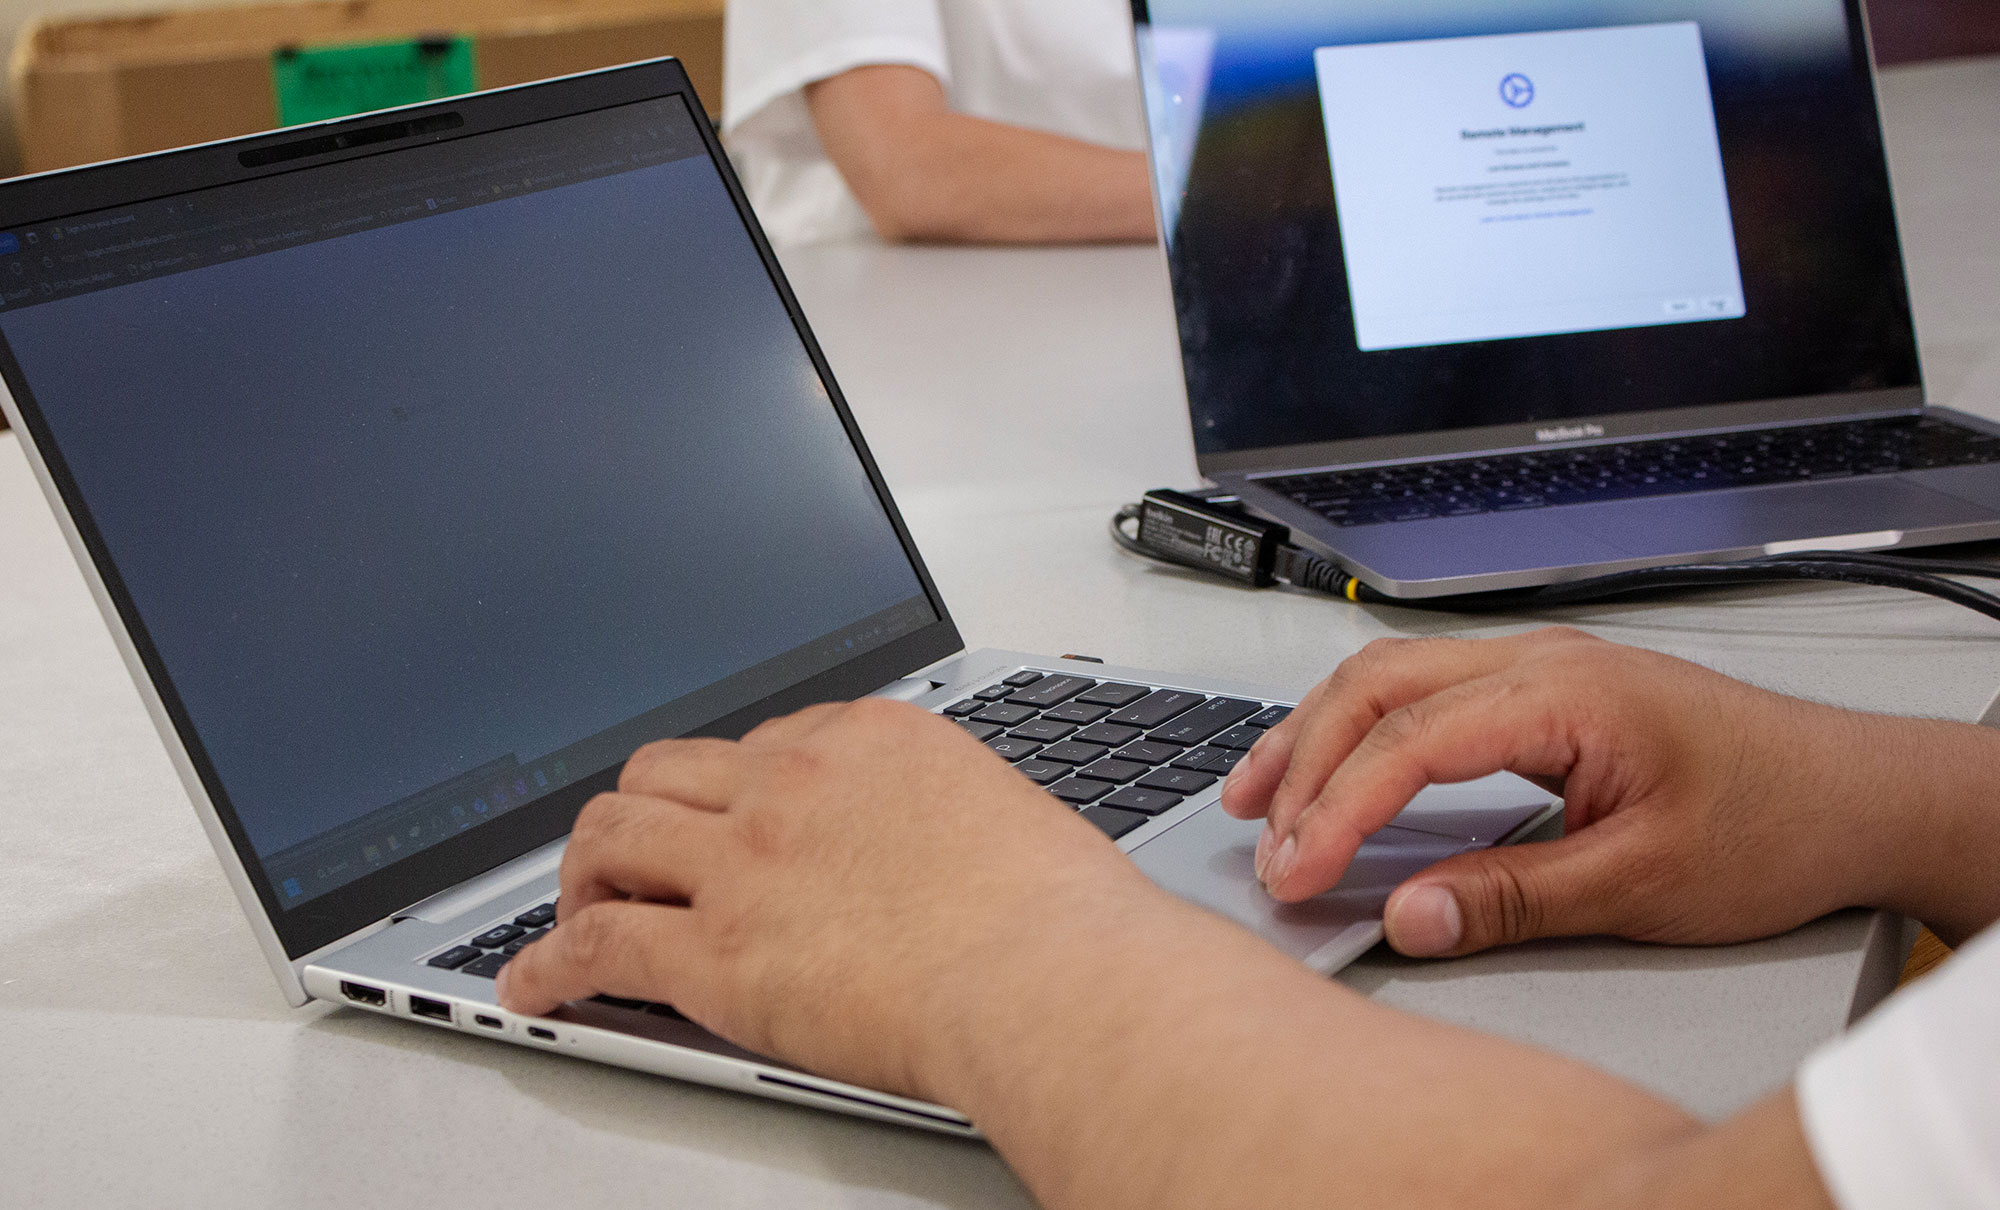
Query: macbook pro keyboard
x: 1585, y: 474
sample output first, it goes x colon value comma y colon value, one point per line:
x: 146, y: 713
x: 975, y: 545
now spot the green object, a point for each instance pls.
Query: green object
x: 315, y: 83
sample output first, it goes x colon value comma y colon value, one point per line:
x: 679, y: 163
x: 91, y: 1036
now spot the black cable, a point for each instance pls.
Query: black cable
x: 1303, y: 569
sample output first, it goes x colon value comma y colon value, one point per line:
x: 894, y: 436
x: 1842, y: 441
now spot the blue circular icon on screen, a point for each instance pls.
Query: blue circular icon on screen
x: 1517, y: 90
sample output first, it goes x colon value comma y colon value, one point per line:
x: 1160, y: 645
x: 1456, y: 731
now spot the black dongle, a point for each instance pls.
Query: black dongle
x: 1193, y: 531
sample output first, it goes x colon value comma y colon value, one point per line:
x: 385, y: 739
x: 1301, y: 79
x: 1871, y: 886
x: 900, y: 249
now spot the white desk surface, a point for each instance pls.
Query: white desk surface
x: 1013, y: 398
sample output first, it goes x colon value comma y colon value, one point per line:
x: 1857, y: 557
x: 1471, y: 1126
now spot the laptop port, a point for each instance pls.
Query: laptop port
x: 373, y: 997
x: 546, y: 1035
x: 488, y: 1022
x: 436, y: 1010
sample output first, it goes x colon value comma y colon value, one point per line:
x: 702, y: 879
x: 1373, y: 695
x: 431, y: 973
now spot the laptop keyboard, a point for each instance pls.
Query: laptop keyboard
x: 1543, y: 478
x: 486, y: 953
x: 1119, y: 753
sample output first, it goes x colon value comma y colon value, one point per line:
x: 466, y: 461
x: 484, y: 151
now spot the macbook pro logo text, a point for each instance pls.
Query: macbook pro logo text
x: 1570, y: 432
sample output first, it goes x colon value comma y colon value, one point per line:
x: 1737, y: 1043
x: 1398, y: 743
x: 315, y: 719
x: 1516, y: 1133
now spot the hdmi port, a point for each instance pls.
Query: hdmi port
x: 373, y: 997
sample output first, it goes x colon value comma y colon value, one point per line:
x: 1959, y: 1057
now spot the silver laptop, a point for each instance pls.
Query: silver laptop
x: 1484, y: 296
x: 426, y: 464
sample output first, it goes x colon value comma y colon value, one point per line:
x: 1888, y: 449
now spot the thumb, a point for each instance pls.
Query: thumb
x: 1474, y: 901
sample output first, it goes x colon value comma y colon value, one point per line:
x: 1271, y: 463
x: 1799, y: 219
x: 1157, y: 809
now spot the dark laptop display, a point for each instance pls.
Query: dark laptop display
x: 1411, y: 216
x: 437, y: 480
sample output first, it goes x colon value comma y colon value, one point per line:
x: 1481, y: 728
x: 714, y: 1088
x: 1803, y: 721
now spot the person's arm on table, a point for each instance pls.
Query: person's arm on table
x: 925, y: 172
x: 868, y: 892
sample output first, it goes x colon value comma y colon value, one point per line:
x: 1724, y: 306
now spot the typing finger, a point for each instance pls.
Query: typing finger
x: 1383, y: 678
x: 705, y: 773
x: 626, y: 846
x: 1497, y: 723
x: 638, y: 951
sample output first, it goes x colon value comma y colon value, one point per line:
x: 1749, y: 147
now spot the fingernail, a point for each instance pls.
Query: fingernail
x: 1282, y: 862
x: 1426, y: 923
x: 1265, y: 841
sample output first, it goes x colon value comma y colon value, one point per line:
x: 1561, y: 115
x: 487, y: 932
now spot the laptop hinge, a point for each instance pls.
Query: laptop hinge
x: 491, y: 885
x: 909, y: 689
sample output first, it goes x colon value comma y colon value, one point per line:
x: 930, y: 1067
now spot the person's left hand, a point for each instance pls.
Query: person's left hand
x: 840, y: 889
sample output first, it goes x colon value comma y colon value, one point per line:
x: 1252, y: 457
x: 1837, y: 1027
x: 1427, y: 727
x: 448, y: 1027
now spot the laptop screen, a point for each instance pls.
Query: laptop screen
x: 1390, y: 217
x: 440, y: 480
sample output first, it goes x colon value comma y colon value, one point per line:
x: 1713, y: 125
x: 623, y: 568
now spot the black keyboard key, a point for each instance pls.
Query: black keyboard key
x: 1157, y: 707
x: 1113, y: 694
x: 1223, y: 761
x: 1198, y: 758
x: 1113, y: 769
x: 537, y: 917
x: 1042, y: 772
x: 1272, y: 716
x: 1082, y: 713
x: 1079, y: 790
x: 1147, y: 752
x: 1053, y: 690
x: 1012, y: 748
x: 1109, y: 733
x: 992, y: 693
x: 1113, y: 822
x: 1239, y: 738
x: 1145, y: 802
x: 1042, y: 731
x: 1177, y: 781
x: 961, y: 709
x: 637, y: 1006
x: 485, y: 966
x: 499, y: 935
x: 1007, y: 714
x: 520, y: 943
x: 981, y: 731
x: 455, y: 957
x: 1073, y: 753
x: 1203, y: 722
x: 1022, y: 679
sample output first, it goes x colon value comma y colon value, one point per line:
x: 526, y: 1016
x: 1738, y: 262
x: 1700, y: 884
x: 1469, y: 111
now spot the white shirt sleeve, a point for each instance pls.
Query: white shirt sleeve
x: 775, y: 48
x: 1903, y: 1113
x: 772, y: 49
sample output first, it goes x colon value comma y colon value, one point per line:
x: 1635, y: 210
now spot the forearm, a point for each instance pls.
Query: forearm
x: 925, y: 172
x: 962, y: 179
x: 1190, y: 1065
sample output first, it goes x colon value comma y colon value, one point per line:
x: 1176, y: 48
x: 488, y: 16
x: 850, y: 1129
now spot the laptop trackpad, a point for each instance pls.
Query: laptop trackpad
x: 1211, y: 860
x: 1738, y: 520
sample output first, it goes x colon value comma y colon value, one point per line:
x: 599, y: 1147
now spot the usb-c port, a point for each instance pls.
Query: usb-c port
x: 436, y: 1010
x: 488, y: 1022
x: 373, y: 997
x: 546, y: 1035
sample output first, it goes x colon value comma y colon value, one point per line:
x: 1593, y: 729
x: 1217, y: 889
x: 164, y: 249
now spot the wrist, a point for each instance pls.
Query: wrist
x: 1062, y: 992
x: 1944, y: 838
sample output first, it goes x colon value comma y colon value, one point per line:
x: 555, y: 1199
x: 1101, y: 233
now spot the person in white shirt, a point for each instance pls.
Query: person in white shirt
x: 1004, y: 121
x: 867, y: 891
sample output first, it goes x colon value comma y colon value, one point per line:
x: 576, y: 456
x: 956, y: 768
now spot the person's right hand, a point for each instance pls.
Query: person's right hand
x: 1699, y: 809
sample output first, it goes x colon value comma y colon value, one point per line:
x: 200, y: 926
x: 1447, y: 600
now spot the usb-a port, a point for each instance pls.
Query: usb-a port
x: 436, y: 1010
